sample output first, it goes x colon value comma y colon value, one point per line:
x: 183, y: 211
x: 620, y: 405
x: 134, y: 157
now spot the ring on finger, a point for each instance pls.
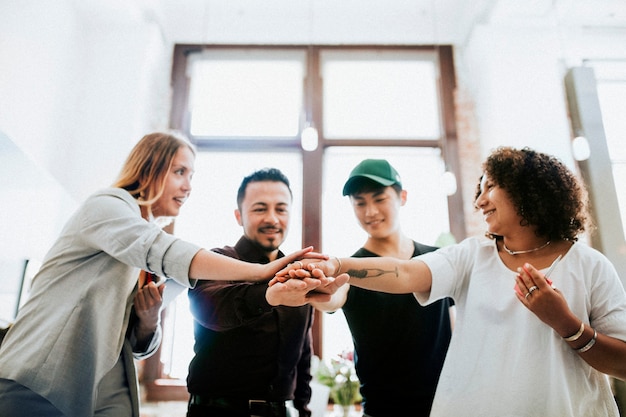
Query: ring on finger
x: 301, y: 264
x: 531, y: 289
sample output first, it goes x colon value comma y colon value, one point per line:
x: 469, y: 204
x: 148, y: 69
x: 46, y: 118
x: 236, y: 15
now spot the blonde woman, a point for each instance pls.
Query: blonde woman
x: 62, y: 356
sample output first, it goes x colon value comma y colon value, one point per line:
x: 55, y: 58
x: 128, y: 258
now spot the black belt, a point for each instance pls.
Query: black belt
x: 260, y: 408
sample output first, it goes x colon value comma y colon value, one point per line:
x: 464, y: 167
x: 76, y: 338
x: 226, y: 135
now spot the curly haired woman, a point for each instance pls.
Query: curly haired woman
x: 524, y: 344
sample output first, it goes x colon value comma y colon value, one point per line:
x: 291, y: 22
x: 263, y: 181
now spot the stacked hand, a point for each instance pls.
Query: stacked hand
x: 304, y: 281
x: 306, y: 268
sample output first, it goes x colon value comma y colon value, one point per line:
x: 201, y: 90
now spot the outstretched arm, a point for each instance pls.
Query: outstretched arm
x: 209, y: 265
x: 383, y: 274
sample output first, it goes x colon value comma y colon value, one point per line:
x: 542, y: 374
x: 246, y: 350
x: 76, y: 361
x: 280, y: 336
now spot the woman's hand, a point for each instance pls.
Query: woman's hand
x: 538, y: 294
x: 147, y: 304
x: 298, y: 259
x: 607, y: 355
x: 305, y: 268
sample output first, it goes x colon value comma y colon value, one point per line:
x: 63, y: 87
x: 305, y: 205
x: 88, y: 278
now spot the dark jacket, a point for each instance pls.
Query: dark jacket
x: 244, y: 347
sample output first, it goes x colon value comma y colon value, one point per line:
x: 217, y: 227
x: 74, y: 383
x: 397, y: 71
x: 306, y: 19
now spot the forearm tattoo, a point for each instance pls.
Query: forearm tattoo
x: 371, y: 273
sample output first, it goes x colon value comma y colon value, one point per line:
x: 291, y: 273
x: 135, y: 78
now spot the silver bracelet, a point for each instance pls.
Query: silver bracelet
x: 576, y: 335
x: 589, y: 344
x: 338, y: 266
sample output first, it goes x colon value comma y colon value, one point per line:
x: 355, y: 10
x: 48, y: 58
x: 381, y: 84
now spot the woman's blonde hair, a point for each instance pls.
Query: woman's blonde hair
x: 144, y: 172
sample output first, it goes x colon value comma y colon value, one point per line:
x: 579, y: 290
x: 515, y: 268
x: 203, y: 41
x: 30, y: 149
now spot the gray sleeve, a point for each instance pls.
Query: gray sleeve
x: 112, y: 223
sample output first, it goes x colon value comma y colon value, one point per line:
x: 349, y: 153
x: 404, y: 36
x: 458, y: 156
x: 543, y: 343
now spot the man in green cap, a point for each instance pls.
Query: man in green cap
x: 399, y: 345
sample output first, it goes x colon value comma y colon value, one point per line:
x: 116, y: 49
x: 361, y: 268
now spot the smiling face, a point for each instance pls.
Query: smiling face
x: 378, y: 211
x: 497, y: 208
x: 177, y: 184
x: 264, y: 214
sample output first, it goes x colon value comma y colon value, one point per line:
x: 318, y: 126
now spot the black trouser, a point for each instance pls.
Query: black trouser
x: 18, y: 401
x: 201, y: 406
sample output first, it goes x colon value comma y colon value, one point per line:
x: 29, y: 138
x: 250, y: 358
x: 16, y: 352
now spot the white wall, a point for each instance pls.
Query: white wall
x: 516, y: 80
x: 80, y: 85
x: 517, y: 83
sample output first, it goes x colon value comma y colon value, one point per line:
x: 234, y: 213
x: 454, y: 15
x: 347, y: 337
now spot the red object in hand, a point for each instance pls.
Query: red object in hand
x: 146, y: 277
x: 150, y: 277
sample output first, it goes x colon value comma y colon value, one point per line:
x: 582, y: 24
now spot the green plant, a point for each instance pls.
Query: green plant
x: 339, y: 374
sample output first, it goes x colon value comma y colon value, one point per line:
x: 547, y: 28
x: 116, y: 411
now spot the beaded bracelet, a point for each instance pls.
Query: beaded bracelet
x: 576, y: 335
x: 589, y: 344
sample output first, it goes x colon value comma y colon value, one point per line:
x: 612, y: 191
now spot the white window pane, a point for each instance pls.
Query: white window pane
x: 424, y: 218
x: 10, y: 287
x: 612, y: 97
x: 609, y: 70
x: 619, y: 176
x: 611, y: 83
x: 208, y: 219
x: 243, y: 94
x: 380, y: 95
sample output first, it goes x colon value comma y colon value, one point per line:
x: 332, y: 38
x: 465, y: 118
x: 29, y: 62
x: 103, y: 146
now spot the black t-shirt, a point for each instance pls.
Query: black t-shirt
x: 400, y: 347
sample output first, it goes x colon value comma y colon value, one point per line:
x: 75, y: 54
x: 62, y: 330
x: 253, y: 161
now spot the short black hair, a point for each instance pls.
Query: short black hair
x: 265, y: 174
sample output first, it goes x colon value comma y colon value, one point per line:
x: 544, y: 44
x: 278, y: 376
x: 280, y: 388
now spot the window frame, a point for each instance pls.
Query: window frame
x: 158, y: 386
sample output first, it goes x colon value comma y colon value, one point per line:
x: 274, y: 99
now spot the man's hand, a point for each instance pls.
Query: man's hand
x: 302, y: 291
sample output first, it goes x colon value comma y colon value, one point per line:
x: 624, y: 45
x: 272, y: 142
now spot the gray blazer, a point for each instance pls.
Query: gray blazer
x: 70, y: 332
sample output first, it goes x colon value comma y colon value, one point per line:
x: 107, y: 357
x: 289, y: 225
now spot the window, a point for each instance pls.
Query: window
x: 380, y: 95
x: 595, y: 95
x: 231, y: 89
x: 611, y: 84
x: 245, y: 106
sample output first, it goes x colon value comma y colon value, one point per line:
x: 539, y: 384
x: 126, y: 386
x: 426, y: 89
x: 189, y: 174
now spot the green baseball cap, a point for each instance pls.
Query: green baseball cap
x: 378, y: 170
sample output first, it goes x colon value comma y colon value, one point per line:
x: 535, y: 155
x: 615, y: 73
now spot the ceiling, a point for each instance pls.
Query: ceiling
x: 362, y: 21
x: 354, y: 21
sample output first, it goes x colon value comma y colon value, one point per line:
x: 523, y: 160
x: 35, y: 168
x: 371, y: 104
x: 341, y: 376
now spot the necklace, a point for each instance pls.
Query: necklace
x: 519, y: 252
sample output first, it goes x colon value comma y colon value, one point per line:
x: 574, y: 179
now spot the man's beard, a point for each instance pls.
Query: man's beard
x: 271, y: 247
